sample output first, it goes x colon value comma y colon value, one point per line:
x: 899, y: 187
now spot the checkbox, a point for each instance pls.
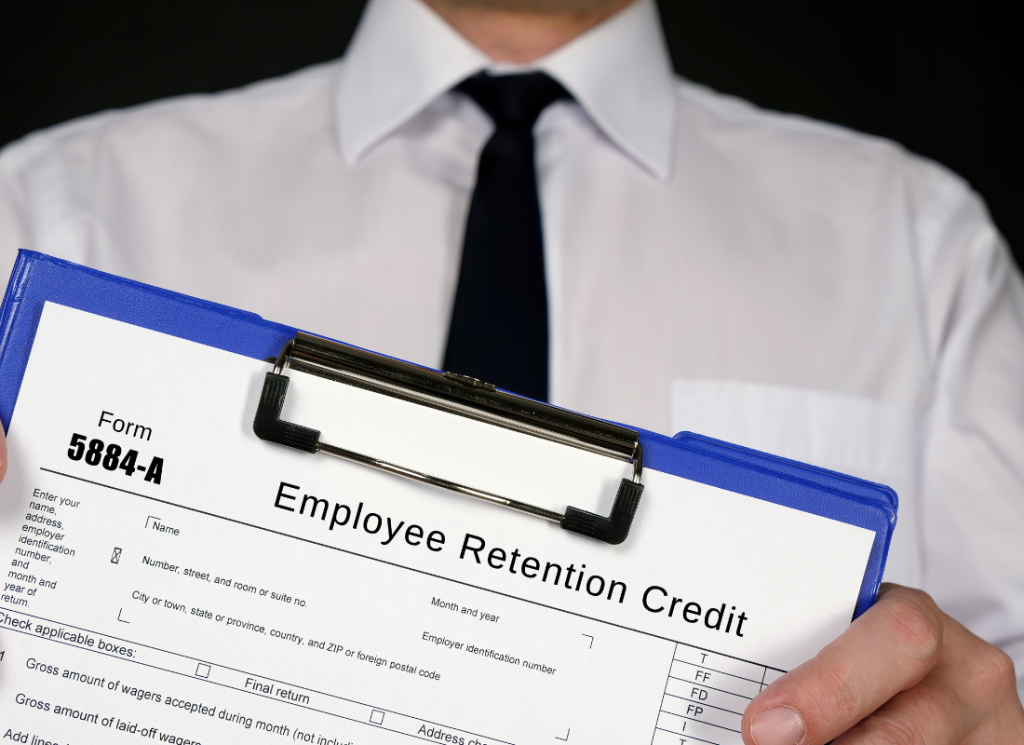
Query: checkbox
x: 376, y: 717
x: 202, y: 670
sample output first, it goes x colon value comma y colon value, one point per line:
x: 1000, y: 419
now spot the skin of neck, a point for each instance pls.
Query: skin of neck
x: 521, y: 31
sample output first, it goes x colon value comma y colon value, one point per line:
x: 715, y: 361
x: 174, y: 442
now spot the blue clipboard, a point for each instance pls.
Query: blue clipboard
x: 38, y: 278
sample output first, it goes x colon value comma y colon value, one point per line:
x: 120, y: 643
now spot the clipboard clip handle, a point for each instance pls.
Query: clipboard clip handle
x: 450, y: 392
x: 612, y: 529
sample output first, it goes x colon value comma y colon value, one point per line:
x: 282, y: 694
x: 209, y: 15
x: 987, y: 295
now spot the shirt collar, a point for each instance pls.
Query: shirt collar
x: 404, y: 56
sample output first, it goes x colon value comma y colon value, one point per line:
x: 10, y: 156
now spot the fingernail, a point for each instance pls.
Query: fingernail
x: 782, y: 726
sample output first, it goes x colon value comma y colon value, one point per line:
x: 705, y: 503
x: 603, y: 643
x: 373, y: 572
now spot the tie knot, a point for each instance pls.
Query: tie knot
x: 513, y: 100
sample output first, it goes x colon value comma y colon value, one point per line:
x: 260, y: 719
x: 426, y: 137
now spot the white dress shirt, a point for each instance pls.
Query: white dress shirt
x: 758, y: 277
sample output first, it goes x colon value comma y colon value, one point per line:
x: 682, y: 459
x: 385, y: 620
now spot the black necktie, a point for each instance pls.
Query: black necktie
x: 499, y: 328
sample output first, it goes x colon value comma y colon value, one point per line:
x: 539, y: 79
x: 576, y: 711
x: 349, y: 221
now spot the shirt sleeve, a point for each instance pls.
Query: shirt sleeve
x: 973, y: 451
x: 14, y: 210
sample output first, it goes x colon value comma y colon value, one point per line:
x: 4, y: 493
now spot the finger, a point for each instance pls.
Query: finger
x: 887, y: 650
x: 3, y: 454
x: 970, y: 695
x: 925, y: 713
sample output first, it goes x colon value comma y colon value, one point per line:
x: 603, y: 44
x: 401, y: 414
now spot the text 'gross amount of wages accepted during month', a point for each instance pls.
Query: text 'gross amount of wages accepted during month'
x: 248, y: 592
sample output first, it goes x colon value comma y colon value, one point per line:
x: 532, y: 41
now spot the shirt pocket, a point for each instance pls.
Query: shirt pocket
x: 850, y: 434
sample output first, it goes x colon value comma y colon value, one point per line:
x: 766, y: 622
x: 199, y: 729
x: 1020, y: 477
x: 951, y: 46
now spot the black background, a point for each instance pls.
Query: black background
x: 941, y: 77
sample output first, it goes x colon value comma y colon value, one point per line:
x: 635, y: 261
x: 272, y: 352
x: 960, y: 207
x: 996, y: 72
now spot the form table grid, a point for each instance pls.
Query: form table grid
x: 705, y: 696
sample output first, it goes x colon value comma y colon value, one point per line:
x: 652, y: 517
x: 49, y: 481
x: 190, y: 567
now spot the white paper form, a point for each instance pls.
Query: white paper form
x: 172, y: 578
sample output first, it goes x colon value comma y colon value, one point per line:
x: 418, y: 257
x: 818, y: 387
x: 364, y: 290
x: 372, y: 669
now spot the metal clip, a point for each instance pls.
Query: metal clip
x: 463, y: 396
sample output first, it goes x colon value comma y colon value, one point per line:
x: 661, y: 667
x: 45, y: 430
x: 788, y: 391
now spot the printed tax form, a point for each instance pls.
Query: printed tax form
x: 172, y: 578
